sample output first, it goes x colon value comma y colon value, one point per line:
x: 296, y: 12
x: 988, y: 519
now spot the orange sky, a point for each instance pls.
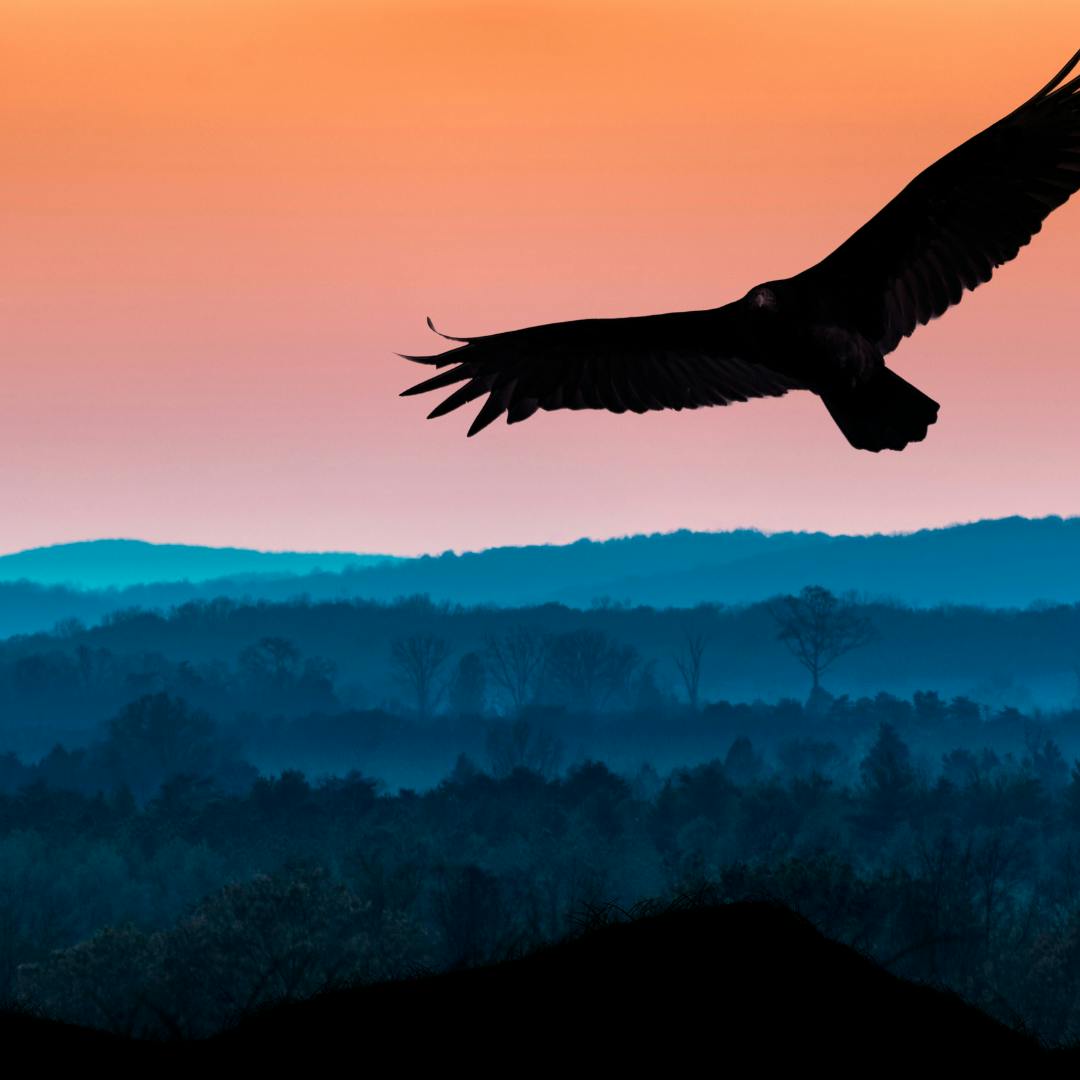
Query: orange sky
x: 220, y: 221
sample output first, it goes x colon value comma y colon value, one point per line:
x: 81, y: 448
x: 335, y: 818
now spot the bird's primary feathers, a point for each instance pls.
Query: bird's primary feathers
x: 825, y: 330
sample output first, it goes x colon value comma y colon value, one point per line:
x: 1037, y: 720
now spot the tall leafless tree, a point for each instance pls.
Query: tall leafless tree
x: 273, y: 660
x: 468, y: 686
x: 586, y: 668
x: 688, y: 661
x: 514, y: 662
x: 818, y: 628
x: 417, y: 661
x: 517, y: 746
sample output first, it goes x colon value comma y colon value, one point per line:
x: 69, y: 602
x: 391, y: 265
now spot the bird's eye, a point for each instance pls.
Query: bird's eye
x: 763, y: 298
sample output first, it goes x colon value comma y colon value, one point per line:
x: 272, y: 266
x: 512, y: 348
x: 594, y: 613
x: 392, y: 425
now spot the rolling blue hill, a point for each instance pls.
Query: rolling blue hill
x: 1010, y: 562
x: 110, y: 564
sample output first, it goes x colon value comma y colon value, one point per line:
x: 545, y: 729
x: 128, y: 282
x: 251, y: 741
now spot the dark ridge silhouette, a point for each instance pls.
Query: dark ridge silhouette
x: 43, y: 1038
x: 827, y: 329
x: 741, y: 982
x: 737, y: 983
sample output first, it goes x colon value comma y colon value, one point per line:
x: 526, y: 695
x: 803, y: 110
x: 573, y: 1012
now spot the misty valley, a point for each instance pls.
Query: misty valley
x: 212, y: 809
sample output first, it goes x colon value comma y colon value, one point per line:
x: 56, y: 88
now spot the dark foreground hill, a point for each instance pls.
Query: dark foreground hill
x: 743, y: 986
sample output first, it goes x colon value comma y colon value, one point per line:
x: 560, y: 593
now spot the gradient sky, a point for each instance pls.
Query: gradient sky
x: 220, y: 220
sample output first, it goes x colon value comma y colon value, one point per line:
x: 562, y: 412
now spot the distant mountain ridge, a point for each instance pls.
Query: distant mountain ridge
x: 1008, y: 562
x: 118, y: 564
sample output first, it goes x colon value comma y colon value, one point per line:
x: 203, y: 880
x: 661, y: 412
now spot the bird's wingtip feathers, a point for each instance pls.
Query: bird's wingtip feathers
x: 419, y: 359
x: 1055, y: 82
x: 438, y: 359
x: 449, y: 337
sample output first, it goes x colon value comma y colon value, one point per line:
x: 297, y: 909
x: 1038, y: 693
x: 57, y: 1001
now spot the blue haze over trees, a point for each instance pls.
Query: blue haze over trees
x: 271, y: 797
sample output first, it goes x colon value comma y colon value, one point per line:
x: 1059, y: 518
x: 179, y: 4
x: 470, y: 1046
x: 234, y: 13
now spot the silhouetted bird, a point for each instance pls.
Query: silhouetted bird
x: 825, y: 330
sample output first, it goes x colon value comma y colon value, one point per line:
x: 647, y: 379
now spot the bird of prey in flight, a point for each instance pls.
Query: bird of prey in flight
x: 827, y: 329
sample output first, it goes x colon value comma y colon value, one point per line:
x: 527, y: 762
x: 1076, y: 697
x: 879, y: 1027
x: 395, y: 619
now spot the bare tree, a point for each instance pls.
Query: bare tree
x: 689, y: 664
x: 518, y: 746
x: 273, y: 660
x: 586, y: 668
x: 998, y: 861
x: 417, y: 661
x: 818, y: 628
x: 515, y: 660
x: 468, y: 687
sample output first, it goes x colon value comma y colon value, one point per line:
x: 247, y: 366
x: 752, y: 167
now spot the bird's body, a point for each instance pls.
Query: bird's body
x: 827, y: 329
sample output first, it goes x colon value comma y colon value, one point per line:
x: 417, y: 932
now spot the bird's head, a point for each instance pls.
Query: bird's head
x: 762, y: 298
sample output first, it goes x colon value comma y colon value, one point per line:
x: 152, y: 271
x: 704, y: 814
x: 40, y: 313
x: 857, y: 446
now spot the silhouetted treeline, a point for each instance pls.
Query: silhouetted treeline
x: 209, y: 892
x: 290, y: 659
x: 188, y: 801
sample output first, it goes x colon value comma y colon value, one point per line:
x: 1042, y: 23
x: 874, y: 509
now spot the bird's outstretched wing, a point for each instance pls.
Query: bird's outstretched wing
x: 958, y: 220
x: 679, y: 360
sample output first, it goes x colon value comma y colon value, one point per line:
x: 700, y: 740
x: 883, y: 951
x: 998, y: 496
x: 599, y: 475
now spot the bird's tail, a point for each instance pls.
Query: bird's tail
x: 884, y: 413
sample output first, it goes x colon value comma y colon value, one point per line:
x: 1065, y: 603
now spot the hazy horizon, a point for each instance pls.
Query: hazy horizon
x: 432, y: 551
x: 202, y: 331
